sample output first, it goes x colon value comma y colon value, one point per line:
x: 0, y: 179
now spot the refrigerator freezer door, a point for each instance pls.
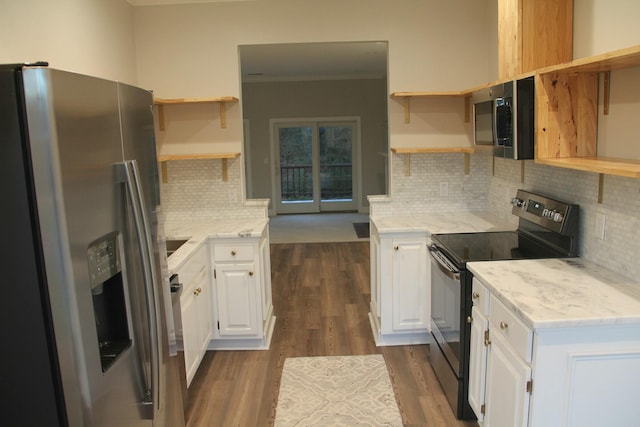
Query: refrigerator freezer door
x: 74, y: 130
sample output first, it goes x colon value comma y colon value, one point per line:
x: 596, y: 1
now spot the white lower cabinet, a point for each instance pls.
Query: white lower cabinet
x: 400, y: 292
x: 243, y: 310
x: 195, y: 307
x: 557, y: 376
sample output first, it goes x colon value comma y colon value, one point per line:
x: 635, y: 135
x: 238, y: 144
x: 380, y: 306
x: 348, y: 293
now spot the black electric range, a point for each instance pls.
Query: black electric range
x: 547, y: 228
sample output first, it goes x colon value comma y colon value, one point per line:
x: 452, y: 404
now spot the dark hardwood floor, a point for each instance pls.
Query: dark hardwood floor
x: 321, y: 300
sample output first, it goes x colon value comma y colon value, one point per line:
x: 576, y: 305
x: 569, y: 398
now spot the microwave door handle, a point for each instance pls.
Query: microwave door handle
x: 128, y: 175
x: 437, y: 256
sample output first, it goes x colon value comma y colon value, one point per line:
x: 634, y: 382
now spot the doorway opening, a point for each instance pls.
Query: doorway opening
x: 297, y: 102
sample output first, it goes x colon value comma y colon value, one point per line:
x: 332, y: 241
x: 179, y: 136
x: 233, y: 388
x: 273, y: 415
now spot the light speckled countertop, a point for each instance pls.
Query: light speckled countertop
x: 450, y: 222
x: 550, y: 293
x: 198, y: 233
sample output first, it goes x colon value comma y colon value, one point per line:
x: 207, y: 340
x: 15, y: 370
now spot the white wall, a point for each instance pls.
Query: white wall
x: 601, y: 26
x: 366, y: 99
x: 92, y: 37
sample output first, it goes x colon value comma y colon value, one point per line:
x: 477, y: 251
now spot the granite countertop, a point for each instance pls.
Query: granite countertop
x: 550, y: 293
x: 198, y: 233
x: 450, y: 222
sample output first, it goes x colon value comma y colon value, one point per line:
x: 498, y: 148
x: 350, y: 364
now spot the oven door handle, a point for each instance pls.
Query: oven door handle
x: 443, y: 265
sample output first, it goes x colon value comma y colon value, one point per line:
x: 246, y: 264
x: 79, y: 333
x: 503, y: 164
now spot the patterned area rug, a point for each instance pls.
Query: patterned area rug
x: 336, y: 391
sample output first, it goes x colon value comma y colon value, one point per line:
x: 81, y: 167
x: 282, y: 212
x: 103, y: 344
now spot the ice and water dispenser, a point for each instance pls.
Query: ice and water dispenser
x: 109, y: 300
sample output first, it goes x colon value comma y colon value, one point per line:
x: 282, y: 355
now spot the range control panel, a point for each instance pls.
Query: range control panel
x: 546, y: 212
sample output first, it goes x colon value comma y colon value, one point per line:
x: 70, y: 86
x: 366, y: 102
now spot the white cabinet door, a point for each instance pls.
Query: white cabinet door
x: 203, y: 299
x: 478, y: 362
x: 411, y: 299
x: 507, y: 397
x: 237, y: 299
x: 190, y: 335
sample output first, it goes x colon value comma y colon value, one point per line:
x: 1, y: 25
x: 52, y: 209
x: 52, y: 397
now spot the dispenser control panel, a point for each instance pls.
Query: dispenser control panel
x: 103, y: 259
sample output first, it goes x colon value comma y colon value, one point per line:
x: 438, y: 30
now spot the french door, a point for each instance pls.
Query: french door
x: 315, y: 167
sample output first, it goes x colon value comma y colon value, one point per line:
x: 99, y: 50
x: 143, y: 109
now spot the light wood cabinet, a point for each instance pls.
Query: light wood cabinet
x: 567, y: 114
x: 533, y: 34
x: 400, y: 291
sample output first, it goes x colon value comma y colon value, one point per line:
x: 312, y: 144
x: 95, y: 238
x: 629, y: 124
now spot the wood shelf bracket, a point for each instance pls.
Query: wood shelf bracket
x: 607, y: 92
x: 467, y: 109
x: 225, y: 170
x: 600, y: 187
x: 407, y: 109
x: 161, y: 117
x: 407, y: 165
x: 223, y: 115
x: 164, y: 173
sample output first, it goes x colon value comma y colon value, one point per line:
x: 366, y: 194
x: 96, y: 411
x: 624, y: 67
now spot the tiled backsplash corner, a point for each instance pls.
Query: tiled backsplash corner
x: 620, y: 206
x: 421, y: 190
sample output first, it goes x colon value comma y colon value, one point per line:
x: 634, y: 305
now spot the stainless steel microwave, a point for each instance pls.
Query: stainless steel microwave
x: 503, y: 116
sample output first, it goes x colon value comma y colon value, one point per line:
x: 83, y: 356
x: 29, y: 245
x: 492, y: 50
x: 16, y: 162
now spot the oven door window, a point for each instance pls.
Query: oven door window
x: 445, y: 314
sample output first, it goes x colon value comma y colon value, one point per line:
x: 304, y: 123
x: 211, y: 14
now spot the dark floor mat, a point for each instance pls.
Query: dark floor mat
x: 362, y: 229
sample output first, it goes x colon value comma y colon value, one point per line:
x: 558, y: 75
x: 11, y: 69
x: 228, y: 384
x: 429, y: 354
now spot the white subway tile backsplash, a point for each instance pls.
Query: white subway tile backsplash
x: 196, y: 192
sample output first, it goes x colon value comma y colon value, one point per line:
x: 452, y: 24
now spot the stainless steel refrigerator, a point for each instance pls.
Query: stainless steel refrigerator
x: 83, y: 307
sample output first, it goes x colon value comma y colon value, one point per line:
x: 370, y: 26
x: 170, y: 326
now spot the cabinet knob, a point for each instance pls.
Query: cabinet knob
x: 233, y: 253
x: 487, y: 341
x: 475, y: 295
x: 469, y: 319
x: 197, y: 291
x: 251, y: 273
x: 395, y: 248
x: 504, y: 325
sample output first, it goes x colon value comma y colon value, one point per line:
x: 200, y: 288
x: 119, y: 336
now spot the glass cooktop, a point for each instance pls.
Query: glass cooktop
x: 491, y: 246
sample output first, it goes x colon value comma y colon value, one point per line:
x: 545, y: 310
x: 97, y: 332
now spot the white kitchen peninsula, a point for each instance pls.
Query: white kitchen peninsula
x: 562, y: 344
x: 240, y: 276
x: 401, y: 270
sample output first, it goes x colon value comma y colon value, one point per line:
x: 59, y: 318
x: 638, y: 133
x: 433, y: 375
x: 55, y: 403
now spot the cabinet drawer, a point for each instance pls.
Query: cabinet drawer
x: 504, y: 322
x: 480, y: 296
x: 233, y: 252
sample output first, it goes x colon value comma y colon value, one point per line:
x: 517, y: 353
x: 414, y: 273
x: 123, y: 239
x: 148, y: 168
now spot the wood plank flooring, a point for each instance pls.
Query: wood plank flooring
x: 321, y: 300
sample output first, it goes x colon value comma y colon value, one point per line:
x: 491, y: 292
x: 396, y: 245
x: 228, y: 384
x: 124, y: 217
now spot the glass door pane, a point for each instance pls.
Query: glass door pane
x: 296, y: 171
x: 336, y: 164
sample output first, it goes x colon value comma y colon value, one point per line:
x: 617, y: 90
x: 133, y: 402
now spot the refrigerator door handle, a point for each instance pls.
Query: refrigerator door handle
x: 128, y: 172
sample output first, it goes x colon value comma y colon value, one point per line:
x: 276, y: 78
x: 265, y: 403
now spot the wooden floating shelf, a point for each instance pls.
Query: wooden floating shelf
x: 173, y: 101
x: 610, y: 61
x: 604, y: 165
x: 400, y: 150
x: 467, y: 151
x: 223, y: 156
x: 222, y: 100
x: 169, y: 157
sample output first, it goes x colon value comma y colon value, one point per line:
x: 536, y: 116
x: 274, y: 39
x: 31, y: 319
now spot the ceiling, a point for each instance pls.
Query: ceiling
x: 313, y: 61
